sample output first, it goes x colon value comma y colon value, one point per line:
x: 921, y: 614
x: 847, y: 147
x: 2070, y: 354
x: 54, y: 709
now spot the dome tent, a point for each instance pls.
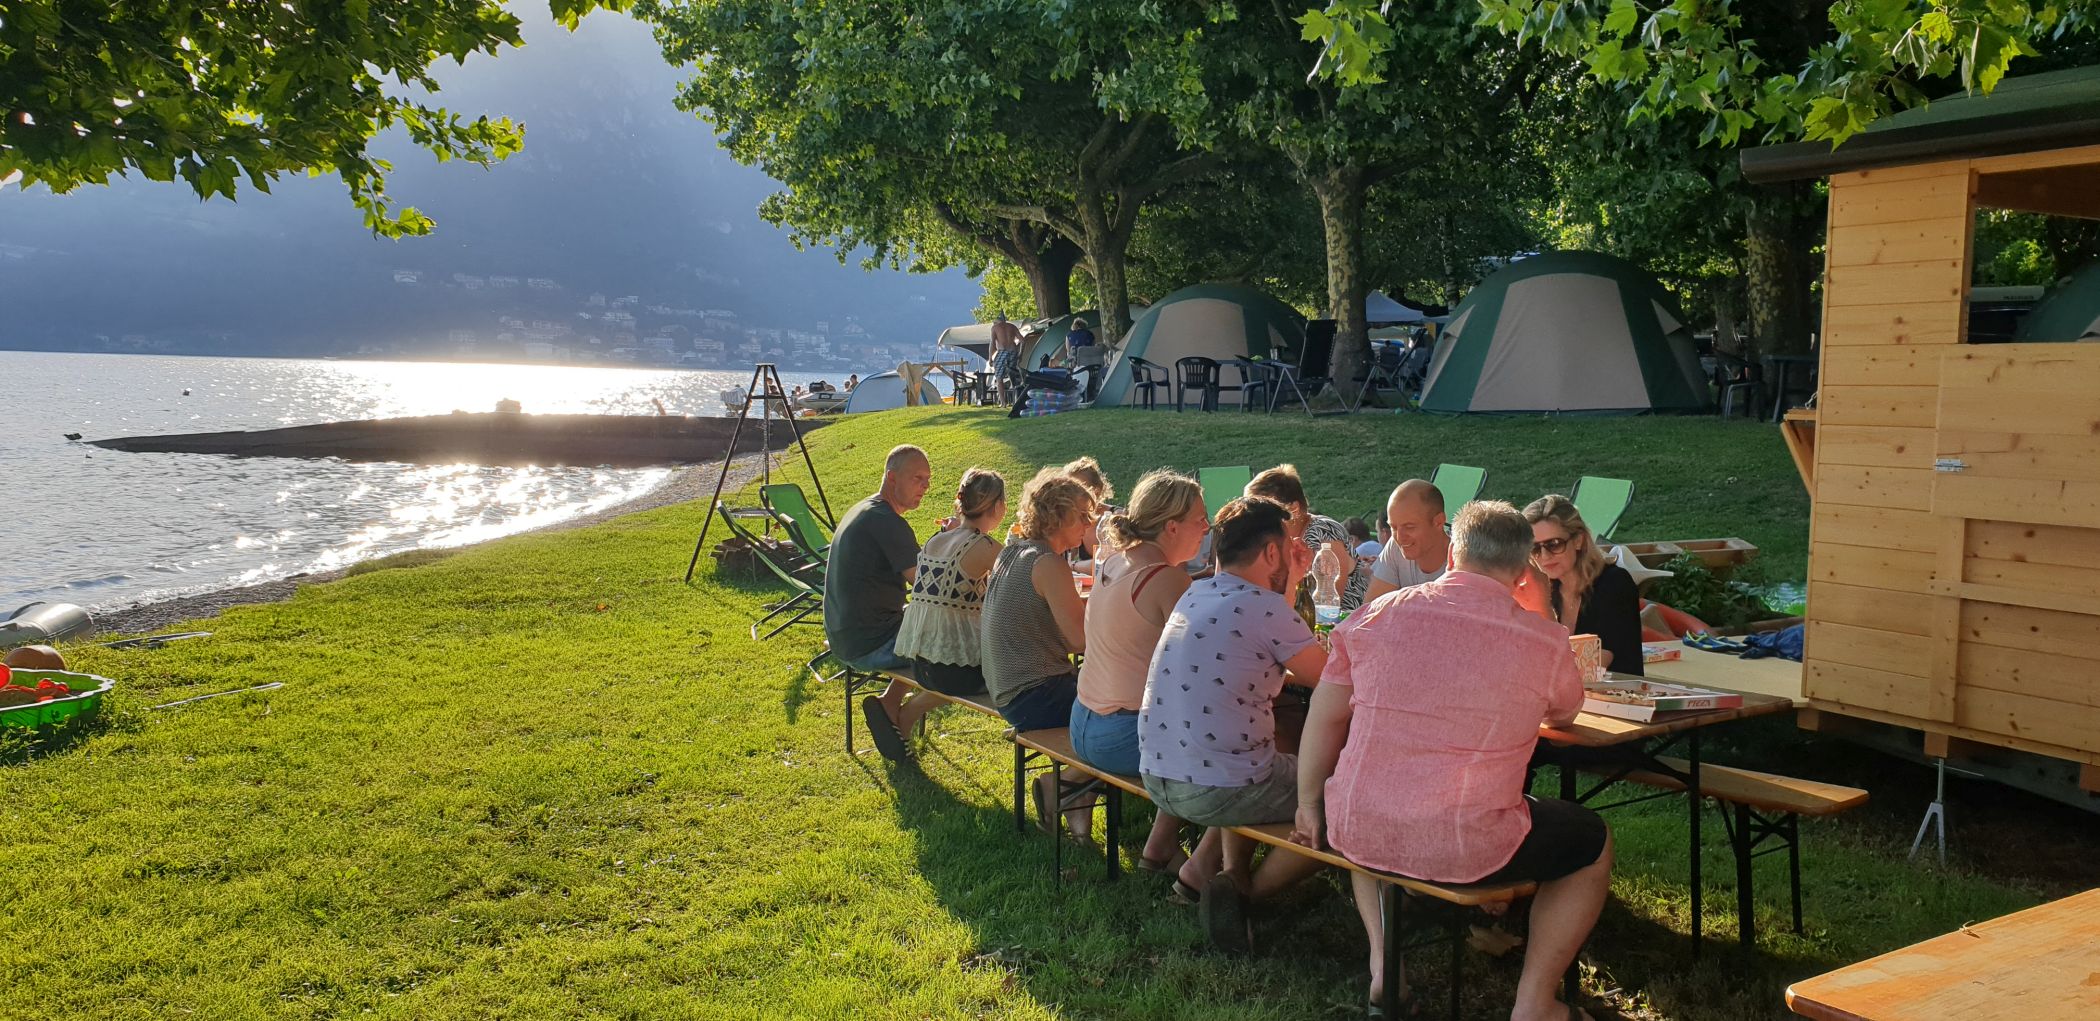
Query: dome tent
x: 2070, y: 311
x: 1566, y: 331
x: 885, y: 390
x: 1213, y: 320
x: 1051, y: 340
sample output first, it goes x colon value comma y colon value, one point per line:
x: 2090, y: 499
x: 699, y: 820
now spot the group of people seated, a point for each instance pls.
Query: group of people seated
x: 1426, y: 701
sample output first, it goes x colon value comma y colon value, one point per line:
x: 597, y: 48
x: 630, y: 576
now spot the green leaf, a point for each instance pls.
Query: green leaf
x: 1936, y: 26
x: 1623, y: 17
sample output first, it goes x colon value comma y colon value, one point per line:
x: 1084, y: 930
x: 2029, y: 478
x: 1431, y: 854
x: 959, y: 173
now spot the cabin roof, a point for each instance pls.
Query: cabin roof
x: 2053, y: 110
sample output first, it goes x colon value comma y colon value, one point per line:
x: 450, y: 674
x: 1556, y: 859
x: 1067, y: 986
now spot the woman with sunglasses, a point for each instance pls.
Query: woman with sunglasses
x: 1571, y: 582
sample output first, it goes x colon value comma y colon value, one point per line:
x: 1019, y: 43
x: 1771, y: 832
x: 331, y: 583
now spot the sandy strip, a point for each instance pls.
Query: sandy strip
x: 690, y: 482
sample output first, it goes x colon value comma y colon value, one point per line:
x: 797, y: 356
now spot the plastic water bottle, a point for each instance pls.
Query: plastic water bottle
x: 1327, y: 589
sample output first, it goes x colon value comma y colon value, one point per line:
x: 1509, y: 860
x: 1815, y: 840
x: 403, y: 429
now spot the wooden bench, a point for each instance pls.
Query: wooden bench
x: 1767, y: 811
x: 826, y: 667
x: 1056, y: 747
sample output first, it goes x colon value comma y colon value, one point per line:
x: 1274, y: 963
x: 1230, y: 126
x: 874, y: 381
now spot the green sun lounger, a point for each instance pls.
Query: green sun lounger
x: 1460, y: 484
x: 788, y: 503
x: 1222, y: 486
x: 807, y: 598
x: 1602, y: 503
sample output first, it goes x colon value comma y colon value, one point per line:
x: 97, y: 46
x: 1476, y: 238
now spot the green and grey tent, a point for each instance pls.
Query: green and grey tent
x: 1213, y: 320
x: 1566, y: 331
x: 2070, y: 311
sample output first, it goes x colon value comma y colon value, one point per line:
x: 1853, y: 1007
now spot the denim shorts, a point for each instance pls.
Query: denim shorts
x: 1043, y: 705
x: 1106, y: 740
x: 883, y: 660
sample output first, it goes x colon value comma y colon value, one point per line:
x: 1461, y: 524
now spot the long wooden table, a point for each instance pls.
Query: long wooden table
x: 2041, y: 964
x: 1644, y: 743
x: 1722, y: 671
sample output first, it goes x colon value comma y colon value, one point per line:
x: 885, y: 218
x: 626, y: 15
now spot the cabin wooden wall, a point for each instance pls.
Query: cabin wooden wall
x: 1895, y: 301
x: 1967, y: 602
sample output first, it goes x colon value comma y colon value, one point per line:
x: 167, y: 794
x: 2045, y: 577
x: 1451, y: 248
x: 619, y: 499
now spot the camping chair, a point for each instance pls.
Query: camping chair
x: 1146, y: 378
x: 1602, y: 503
x: 807, y: 599
x: 1734, y: 375
x: 1196, y: 372
x: 1222, y: 486
x: 1460, y: 484
x: 1382, y: 373
x: 788, y: 503
x: 1254, y: 381
x: 1308, y: 376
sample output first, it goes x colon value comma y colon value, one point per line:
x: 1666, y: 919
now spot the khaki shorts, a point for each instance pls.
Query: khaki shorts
x: 1274, y: 799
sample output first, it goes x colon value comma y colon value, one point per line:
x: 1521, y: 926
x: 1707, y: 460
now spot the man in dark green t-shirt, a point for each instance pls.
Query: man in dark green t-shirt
x: 873, y: 558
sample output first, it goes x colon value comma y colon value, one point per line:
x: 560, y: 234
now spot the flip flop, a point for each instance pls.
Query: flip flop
x: 1223, y: 911
x: 883, y: 731
x: 1186, y: 894
x: 1164, y: 866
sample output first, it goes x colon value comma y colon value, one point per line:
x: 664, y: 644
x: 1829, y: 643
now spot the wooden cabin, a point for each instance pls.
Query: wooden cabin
x: 1954, y: 565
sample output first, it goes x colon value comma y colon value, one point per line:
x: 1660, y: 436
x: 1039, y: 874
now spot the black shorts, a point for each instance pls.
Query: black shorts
x: 1565, y: 838
x: 947, y: 678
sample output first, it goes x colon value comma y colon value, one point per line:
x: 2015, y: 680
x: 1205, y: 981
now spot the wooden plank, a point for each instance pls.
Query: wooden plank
x: 1834, y: 710
x: 2066, y: 602
x: 1883, y: 365
x: 2026, y: 716
x: 1864, y: 687
x: 1799, y: 431
x: 1887, y: 243
x: 2051, y: 191
x: 2035, y: 501
x: 2036, y: 965
x: 2070, y: 370
x: 1866, y: 647
x: 1898, y: 283
x: 1943, y: 651
x: 1722, y: 671
x: 1935, y: 324
x: 1866, y: 566
x: 1879, y: 527
x: 1909, y: 406
x: 2089, y: 778
x: 2029, y: 455
x: 1941, y: 197
x: 2038, y: 544
x: 1901, y: 488
x: 2070, y: 679
x: 2003, y: 408
x: 1910, y: 172
x: 2058, y: 579
x: 2036, y: 630
x: 1906, y: 612
x: 1878, y: 446
x: 2084, y: 154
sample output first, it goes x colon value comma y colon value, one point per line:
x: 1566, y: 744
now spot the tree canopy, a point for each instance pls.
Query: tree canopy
x: 222, y: 93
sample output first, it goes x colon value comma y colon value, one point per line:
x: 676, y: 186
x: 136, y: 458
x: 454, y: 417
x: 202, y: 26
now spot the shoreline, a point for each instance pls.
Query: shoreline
x: 686, y: 482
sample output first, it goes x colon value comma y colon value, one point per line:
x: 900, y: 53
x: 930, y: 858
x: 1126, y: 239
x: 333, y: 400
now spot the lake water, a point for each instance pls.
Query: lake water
x: 106, y: 529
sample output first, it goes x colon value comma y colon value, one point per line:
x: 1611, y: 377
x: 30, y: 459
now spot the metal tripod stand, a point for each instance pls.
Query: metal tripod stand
x: 765, y: 390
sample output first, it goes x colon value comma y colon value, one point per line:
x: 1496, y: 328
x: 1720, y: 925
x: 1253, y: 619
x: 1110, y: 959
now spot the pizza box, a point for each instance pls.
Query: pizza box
x: 1644, y: 700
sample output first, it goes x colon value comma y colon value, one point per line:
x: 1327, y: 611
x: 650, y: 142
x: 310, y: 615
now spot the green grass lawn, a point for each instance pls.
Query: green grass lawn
x: 541, y: 778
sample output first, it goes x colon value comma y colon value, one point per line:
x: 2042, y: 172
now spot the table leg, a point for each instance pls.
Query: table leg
x: 1692, y: 796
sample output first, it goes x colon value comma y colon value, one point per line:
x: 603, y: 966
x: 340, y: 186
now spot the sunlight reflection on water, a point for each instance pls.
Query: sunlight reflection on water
x: 108, y: 529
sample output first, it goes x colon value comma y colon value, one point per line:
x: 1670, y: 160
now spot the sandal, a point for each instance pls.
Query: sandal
x: 1223, y: 911
x: 1186, y: 894
x: 883, y: 730
x: 1164, y: 866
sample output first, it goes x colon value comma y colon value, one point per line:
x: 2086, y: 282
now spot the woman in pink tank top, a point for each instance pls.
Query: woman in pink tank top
x: 1161, y: 530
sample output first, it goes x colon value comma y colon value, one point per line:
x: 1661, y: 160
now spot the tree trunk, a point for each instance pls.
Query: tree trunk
x: 1106, y: 251
x: 1776, y: 240
x: 1340, y: 191
x: 1049, y: 274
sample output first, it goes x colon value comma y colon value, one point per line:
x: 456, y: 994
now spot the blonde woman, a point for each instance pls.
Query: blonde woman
x: 943, y: 620
x: 1033, y: 617
x: 1162, y: 529
x: 1089, y: 474
x: 1572, y: 583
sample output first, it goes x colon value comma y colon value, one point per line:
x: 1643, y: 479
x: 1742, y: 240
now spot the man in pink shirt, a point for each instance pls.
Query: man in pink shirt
x: 1416, y: 744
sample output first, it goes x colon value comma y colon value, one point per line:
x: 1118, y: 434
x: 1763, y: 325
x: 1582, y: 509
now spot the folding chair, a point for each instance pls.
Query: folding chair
x: 807, y: 599
x: 1308, y: 376
x: 1383, y: 373
x: 788, y: 503
x: 1460, y: 484
x: 1222, y: 485
x: 1602, y: 503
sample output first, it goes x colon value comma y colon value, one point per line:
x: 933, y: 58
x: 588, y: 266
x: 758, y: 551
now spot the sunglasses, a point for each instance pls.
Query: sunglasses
x: 1549, y: 547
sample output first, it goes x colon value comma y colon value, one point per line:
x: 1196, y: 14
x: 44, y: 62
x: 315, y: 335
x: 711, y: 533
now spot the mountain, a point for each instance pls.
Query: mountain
x: 616, y: 192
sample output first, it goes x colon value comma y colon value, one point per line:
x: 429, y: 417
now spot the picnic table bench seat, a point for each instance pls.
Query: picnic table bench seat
x: 1766, y: 818
x: 1055, y: 745
x: 827, y: 667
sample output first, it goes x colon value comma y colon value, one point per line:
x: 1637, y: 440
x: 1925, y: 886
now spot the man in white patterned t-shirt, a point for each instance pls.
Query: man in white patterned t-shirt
x: 1420, y: 549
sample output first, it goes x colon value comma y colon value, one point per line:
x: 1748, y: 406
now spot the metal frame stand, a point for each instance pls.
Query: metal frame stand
x: 1935, y: 814
x: 765, y: 389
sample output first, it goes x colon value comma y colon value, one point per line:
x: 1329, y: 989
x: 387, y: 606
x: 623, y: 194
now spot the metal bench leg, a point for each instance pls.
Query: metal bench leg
x: 1745, y: 906
x: 1020, y: 788
x: 1692, y: 795
x: 1793, y: 864
x: 1390, y: 904
x: 1113, y: 806
x: 850, y: 687
x: 1057, y: 837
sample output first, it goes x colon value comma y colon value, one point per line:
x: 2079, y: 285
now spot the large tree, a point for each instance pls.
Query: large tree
x: 220, y: 92
x: 881, y: 116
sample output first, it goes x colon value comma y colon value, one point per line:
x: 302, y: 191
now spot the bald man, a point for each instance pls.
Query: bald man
x: 1420, y: 549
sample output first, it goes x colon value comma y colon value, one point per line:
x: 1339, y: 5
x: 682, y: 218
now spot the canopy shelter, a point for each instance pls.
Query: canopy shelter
x: 974, y: 338
x: 1220, y: 321
x: 1956, y: 507
x: 885, y: 390
x: 1566, y: 332
x: 2070, y: 311
x: 1381, y: 310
